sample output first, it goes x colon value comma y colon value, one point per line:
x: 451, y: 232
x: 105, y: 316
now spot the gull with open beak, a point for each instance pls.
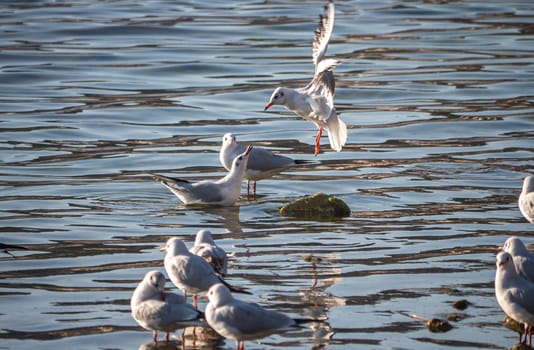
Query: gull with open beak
x: 223, y: 192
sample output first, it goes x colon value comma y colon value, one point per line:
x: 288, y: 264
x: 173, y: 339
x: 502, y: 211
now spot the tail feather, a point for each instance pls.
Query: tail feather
x: 299, y: 321
x: 167, y: 180
x: 235, y: 289
x: 302, y: 162
x: 337, y: 132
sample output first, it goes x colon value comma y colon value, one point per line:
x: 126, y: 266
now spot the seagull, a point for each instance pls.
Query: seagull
x: 4, y: 248
x: 315, y: 101
x: 239, y: 320
x: 189, y: 272
x: 523, y: 260
x: 156, y: 310
x: 206, y: 248
x: 223, y: 192
x: 514, y: 294
x: 262, y: 163
x: 526, y: 199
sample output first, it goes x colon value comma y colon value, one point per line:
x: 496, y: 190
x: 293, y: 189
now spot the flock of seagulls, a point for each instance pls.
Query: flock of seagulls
x: 314, y: 102
x: 203, y: 267
x: 198, y: 270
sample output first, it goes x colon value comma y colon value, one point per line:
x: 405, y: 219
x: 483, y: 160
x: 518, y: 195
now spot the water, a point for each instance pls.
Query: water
x: 97, y: 95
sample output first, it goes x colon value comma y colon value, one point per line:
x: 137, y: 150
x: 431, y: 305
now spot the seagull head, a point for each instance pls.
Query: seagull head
x: 156, y: 282
x: 152, y: 287
x: 229, y: 139
x: 219, y: 295
x: 240, y: 161
x: 528, y: 184
x: 204, y: 236
x: 278, y: 97
x: 504, y: 260
x: 174, y: 246
x: 514, y: 246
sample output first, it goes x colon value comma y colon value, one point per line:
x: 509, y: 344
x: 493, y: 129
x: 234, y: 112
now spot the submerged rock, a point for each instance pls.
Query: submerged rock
x: 317, y: 206
x: 455, y: 317
x: 520, y: 346
x: 438, y: 326
x: 460, y: 304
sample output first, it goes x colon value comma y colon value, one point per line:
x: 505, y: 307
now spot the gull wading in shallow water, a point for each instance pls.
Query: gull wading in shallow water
x: 224, y: 191
x: 315, y: 102
x: 206, y: 248
x: 189, y: 272
x: 156, y: 310
x: 523, y: 260
x: 262, y: 163
x: 526, y: 199
x: 514, y: 294
x: 240, y: 320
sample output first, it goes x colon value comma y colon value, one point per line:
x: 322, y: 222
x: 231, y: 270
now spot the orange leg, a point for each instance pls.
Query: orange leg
x: 254, y: 189
x: 167, y: 335
x: 195, y: 300
x: 318, y: 141
x: 248, y: 189
x: 155, y: 337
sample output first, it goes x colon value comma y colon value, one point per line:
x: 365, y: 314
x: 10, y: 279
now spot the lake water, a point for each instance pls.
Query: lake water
x: 97, y: 95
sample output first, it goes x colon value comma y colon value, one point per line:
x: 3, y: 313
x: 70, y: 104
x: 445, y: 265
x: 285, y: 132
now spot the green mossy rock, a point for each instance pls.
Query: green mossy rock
x: 317, y: 206
x: 513, y: 325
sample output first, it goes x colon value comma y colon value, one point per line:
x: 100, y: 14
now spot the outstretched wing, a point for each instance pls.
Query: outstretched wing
x: 323, y: 33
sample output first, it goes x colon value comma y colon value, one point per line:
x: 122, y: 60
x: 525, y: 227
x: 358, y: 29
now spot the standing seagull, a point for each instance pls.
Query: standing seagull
x: 526, y: 199
x: 189, y: 272
x: 156, y: 310
x: 523, y: 260
x: 224, y: 191
x: 206, y: 248
x: 315, y: 102
x: 514, y: 294
x: 239, y: 320
x: 262, y: 163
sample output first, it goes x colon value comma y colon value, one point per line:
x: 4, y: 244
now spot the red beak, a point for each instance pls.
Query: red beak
x: 267, y: 106
x: 162, y: 296
x: 249, y: 149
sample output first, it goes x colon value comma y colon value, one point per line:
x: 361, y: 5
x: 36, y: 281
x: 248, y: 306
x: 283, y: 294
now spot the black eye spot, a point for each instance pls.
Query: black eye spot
x: 281, y: 94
